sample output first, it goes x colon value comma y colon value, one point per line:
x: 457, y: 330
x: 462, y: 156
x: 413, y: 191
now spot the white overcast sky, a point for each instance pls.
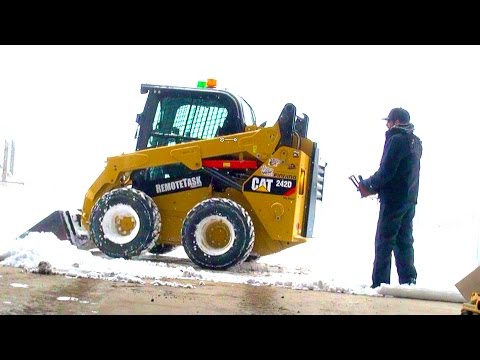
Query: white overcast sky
x: 69, y: 107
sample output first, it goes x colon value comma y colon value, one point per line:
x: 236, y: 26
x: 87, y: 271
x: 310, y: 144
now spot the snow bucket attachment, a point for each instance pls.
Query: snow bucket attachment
x: 65, y: 226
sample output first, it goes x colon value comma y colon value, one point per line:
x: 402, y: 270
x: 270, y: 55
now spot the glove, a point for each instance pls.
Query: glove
x: 365, y: 188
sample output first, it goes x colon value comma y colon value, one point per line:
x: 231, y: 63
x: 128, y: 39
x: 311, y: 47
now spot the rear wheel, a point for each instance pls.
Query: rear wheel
x: 217, y: 234
x: 124, y: 222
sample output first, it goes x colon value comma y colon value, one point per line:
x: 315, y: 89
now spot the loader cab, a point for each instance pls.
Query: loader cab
x: 174, y: 115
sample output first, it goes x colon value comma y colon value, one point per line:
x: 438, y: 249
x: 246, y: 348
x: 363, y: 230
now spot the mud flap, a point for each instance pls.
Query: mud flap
x: 65, y: 226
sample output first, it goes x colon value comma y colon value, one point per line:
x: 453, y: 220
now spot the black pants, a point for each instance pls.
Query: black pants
x: 394, y: 233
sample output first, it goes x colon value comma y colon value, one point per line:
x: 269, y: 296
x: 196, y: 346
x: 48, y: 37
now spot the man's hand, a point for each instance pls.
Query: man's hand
x: 365, y: 188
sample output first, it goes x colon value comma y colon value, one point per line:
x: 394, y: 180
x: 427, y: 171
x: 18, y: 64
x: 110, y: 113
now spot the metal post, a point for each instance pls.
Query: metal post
x: 5, y: 160
x: 12, y: 156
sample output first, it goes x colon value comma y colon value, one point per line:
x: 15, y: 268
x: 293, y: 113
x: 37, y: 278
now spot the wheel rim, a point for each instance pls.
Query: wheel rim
x: 120, y: 224
x: 125, y: 224
x: 215, y: 235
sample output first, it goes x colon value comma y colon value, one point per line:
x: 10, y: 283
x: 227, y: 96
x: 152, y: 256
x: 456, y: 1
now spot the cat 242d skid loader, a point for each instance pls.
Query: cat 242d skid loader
x: 204, y: 176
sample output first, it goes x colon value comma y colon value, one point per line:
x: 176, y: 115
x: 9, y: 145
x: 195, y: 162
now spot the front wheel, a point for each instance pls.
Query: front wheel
x: 124, y: 222
x: 218, y: 233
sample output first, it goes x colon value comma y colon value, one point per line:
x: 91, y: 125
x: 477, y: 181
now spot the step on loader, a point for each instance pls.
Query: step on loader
x: 203, y: 176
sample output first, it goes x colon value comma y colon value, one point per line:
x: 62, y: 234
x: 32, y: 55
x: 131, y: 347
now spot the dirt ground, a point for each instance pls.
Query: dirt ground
x: 27, y: 293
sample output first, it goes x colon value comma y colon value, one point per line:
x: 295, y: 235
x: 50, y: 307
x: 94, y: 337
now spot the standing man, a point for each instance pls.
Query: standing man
x: 396, y: 182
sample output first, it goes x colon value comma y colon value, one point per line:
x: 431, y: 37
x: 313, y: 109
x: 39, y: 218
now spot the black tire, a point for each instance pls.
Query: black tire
x: 146, y: 225
x: 223, y: 221
x: 162, y: 248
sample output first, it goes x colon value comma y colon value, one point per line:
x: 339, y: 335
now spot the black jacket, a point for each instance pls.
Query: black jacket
x: 397, y: 179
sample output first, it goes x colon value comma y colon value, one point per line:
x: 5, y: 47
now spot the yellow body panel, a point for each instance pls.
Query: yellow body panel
x: 173, y: 208
x: 281, y: 215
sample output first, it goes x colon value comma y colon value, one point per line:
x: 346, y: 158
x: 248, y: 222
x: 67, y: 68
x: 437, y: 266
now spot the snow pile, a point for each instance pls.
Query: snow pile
x: 415, y: 292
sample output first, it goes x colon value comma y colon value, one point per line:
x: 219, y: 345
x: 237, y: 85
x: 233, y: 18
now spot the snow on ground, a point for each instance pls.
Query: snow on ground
x: 331, y: 262
x: 68, y: 260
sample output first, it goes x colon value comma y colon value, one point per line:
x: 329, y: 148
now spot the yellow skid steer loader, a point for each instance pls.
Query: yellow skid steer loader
x: 203, y: 176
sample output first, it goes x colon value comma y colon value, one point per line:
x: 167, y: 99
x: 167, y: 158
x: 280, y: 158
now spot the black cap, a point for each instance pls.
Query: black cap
x: 398, y: 114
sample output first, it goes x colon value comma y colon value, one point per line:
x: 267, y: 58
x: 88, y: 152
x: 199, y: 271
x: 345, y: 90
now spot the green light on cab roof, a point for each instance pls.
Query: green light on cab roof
x: 201, y: 84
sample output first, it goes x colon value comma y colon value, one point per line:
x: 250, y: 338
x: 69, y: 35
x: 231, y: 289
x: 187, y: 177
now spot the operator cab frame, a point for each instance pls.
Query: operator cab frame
x: 174, y: 115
